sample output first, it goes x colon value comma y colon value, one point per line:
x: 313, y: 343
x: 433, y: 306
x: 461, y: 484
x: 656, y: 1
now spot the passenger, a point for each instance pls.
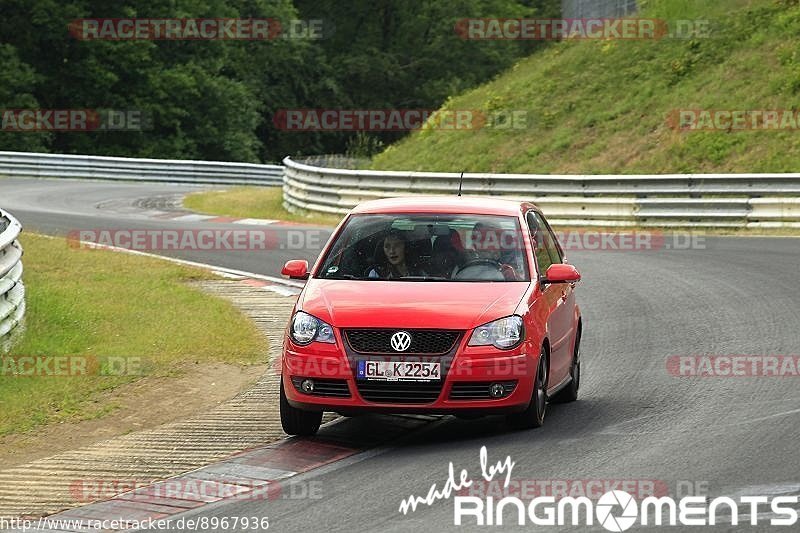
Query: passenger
x: 391, y: 261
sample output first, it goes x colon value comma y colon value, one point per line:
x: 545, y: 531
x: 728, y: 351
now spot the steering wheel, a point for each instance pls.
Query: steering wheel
x: 475, y: 264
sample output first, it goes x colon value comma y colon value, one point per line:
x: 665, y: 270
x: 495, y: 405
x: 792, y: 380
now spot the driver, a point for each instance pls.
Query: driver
x: 496, y: 245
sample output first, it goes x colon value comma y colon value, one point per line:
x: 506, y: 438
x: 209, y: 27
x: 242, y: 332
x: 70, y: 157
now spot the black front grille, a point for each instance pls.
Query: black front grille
x: 399, y: 391
x: 423, y: 341
x: 479, y: 390
x: 325, y: 387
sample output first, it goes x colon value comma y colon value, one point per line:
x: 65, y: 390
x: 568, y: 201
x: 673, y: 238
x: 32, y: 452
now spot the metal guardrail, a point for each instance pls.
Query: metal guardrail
x: 30, y: 164
x: 12, y: 290
x: 677, y: 201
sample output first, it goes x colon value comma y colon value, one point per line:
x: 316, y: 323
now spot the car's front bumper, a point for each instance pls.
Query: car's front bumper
x: 464, y: 388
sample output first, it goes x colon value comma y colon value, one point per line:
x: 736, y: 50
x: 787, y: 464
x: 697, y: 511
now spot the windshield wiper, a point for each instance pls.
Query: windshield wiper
x: 352, y: 277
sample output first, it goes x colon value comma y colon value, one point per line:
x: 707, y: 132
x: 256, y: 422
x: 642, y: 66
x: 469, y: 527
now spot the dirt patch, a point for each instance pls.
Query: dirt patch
x: 146, y: 403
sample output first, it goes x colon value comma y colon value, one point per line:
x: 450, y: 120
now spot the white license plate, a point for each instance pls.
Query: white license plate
x: 399, y: 371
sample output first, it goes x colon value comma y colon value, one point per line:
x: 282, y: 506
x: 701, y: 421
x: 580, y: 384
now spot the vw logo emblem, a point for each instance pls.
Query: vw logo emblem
x: 401, y: 341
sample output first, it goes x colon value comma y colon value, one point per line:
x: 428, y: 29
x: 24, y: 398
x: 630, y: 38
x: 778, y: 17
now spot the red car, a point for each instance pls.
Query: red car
x: 461, y: 306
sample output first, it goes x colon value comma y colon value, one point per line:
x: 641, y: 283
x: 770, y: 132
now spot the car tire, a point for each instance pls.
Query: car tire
x: 570, y: 392
x: 296, y: 421
x: 533, y: 416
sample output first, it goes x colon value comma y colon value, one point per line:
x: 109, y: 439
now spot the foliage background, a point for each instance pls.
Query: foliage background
x: 215, y: 99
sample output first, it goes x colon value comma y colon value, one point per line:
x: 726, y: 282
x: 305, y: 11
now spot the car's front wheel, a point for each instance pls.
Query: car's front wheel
x: 296, y: 421
x: 533, y: 416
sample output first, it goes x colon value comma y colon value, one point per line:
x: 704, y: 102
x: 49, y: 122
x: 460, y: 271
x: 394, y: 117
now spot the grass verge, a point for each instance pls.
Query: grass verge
x: 252, y: 202
x: 602, y: 107
x: 99, y: 304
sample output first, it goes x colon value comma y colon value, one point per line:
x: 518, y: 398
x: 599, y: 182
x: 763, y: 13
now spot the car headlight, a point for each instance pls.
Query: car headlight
x: 505, y: 333
x: 306, y: 329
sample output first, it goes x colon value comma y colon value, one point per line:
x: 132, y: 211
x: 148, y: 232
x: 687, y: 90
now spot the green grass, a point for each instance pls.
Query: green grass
x: 100, y: 303
x: 252, y: 202
x: 598, y: 107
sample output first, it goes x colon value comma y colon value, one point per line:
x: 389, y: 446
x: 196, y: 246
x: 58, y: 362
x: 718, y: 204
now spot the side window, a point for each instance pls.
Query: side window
x: 544, y: 241
x: 552, y: 241
x: 539, y: 238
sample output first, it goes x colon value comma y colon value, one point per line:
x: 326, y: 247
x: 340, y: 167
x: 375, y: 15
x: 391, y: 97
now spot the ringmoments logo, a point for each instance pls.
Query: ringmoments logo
x: 615, y: 510
x: 618, y: 510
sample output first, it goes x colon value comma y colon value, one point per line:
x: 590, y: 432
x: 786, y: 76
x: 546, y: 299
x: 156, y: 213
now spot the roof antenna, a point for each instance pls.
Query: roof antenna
x: 460, y: 183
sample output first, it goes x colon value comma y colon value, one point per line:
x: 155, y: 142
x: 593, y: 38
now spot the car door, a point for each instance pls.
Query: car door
x: 558, y: 297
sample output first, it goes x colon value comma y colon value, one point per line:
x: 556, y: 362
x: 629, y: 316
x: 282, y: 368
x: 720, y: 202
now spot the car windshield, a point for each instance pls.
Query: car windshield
x: 428, y: 247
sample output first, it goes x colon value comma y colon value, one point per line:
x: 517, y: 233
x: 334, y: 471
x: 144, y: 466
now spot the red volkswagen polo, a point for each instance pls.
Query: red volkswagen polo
x: 460, y: 306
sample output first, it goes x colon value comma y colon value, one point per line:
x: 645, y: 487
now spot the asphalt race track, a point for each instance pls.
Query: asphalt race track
x: 634, y: 421
x: 58, y: 207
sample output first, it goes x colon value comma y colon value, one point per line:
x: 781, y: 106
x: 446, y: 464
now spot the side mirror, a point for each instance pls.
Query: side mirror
x: 561, y: 273
x: 296, y: 269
